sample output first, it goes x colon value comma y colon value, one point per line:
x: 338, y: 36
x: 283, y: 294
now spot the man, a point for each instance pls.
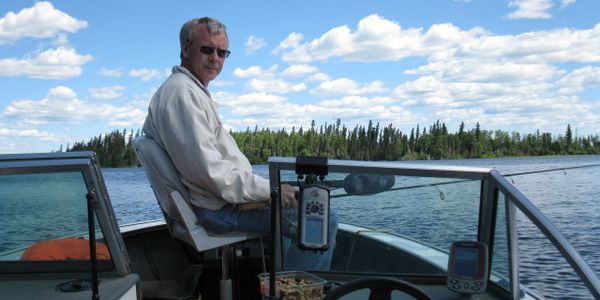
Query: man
x: 183, y: 120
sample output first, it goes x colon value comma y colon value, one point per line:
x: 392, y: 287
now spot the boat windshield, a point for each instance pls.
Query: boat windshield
x: 408, y: 213
x: 44, y: 224
x: 401, y: 218
x: 42, y: 214
x: 404, y: 220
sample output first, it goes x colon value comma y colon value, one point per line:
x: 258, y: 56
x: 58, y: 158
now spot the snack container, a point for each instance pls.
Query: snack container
x: 296, y: 285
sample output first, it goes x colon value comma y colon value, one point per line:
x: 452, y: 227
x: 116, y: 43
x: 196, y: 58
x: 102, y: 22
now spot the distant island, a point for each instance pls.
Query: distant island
x: 374, y: 142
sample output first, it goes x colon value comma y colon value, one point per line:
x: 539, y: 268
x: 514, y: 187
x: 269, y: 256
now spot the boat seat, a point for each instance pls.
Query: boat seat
x: 171, y: 195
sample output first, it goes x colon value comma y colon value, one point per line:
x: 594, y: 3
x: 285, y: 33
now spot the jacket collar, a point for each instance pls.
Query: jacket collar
x: 181, y: 69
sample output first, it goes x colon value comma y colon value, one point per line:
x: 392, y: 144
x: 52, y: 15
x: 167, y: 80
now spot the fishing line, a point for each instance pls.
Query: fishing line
x: 465, y: 180
x: 564, y: 169
x: 441, y: 193
x: 407, y: 188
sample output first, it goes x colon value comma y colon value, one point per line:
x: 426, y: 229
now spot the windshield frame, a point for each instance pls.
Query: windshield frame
x: 492, y: 183
x: 85, y: 162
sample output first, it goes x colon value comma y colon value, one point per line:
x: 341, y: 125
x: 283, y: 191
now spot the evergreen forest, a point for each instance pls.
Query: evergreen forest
x: 373, y: 142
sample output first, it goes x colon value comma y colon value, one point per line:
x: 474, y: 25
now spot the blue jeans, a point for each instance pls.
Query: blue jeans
x: 258, y: 221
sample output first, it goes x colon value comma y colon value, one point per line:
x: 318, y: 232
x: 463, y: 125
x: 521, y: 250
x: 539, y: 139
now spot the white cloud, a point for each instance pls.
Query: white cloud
x: 260, y: 98
x: 460, y: 75
x: 109, y: 92
x: 24, y: 133
x: 437, y: 92
x: 345, y: 86
x: 61, y: 105
x: 376, y: 39
x: 61, y: 93
x: 484, y: 70
x: 380, y: 113
x: 565, y: 3
x: 254, y: 44
x: 291, y: 41
x: 59, y: 63
x: 531, y: 101
x: 256, y: 71
x: 147, y: 74
x: 563, y: 45
x: 253, y: 71
x: 356, y: 101
x: 318, y: 77
x: 275, y: 86
x: 579, y: 79
x: 268, y: 80
x: 262, y: 108
x: 61, y: 40
x: 222, y: 83
x: 530, y: 9
x: 299, y: 70
x: 40, y: 21
x: 110, y: 73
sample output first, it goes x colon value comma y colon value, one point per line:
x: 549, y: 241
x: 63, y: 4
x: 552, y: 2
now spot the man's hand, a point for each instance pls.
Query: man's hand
x: 288, y: 196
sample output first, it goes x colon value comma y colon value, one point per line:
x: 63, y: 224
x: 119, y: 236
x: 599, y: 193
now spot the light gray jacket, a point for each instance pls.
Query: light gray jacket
x: 182, y: 118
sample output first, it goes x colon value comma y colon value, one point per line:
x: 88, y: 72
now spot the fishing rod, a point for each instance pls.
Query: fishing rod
x: 551, y: 170
x: 360, y: 184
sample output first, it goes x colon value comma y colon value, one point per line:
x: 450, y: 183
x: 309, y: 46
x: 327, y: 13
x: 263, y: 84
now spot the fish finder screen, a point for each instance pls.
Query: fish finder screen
x: 314, y: 231
x: 466, y: 262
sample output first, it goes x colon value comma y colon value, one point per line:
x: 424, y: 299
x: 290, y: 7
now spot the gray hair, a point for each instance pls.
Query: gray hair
x: 212, y: 25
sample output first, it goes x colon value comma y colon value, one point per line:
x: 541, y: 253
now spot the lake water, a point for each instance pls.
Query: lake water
x: 568, y: 197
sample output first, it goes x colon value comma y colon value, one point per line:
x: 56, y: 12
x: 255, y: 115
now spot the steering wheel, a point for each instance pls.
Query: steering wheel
x: 381, y: 288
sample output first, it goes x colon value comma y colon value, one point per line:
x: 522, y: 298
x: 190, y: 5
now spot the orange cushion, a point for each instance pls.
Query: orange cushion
x: 70, y: 248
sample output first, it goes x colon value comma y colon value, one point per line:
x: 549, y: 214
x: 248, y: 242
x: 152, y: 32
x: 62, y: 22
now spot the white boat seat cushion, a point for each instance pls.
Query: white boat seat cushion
x: 171, y: 195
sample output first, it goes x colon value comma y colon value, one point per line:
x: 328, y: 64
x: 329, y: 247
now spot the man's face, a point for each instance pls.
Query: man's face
x: 205, y: 67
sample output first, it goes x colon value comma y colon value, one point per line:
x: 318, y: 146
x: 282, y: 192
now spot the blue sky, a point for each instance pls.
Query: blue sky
x: 71, y: 70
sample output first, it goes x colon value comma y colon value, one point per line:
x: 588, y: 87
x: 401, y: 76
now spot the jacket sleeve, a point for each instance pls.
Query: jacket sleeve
x: 204, y: 152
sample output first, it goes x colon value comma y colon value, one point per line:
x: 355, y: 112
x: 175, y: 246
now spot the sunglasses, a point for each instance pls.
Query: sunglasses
x: 207, y: 50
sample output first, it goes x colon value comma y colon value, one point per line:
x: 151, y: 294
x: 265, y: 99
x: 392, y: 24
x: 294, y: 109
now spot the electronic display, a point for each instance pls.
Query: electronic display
x: 468, y: 267
x: 313, y: 223
x: 314, y: 231
x: 466, y: 262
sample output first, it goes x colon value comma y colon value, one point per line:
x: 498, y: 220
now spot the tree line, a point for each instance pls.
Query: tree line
x: 371, y: 142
